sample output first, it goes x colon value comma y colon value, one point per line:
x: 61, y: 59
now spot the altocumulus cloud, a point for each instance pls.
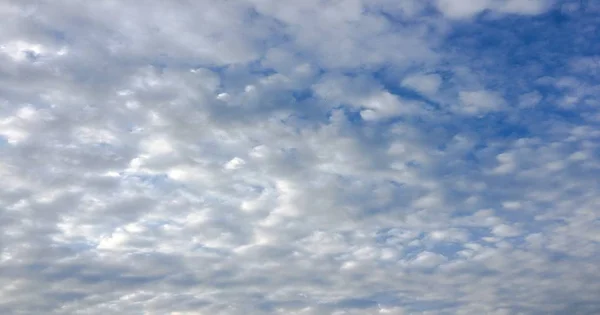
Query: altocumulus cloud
x: 299, y: 157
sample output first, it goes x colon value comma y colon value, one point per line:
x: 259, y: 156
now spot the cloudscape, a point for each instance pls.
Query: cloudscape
x: 309, y: 157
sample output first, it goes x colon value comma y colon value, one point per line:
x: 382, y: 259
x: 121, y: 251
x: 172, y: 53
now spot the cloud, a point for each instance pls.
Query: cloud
x: 504, y: 230
x: 310, y: 157
x: 479, y: 102
x: 427, y: 84
x: 460, y: 9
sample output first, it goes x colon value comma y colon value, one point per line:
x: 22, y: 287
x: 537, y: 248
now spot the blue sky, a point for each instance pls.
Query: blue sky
x: 300, y: 157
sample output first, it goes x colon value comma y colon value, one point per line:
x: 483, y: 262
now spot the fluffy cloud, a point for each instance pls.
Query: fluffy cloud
x: 310, y: 157
x: 427, y: 84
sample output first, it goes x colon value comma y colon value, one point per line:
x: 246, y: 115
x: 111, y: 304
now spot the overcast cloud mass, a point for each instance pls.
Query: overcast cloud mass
x: 299, y: 157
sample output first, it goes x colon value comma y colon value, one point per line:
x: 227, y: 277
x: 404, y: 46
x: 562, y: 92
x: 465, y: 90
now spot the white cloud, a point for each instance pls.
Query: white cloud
x: 451, y: 235
x: 529, y: 7
x: 457, y: 9
x: 386, y: 105
x: 479, y: 102
x: 530, y: 99
x: 264, y: 157
x: 234, y: 163
x: 504, y: 230
x: 428, y: 260
x: 427, y: 84
x: 460, y: 9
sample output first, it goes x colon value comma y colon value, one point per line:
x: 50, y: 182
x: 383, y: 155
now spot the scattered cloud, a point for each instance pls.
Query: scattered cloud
x: 310, y: 157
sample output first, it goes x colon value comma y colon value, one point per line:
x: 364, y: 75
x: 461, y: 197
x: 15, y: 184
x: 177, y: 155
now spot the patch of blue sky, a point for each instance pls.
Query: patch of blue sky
x: 449, y: 250
x: 512, y: 53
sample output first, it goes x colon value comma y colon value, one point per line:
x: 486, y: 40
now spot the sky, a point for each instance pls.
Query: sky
x: 299, y: 157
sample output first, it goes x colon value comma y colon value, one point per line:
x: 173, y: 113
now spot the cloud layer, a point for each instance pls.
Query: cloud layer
x: 299, y: 157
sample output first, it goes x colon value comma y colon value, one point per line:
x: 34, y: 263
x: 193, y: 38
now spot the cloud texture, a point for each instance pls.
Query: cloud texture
x: 299, y: 157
